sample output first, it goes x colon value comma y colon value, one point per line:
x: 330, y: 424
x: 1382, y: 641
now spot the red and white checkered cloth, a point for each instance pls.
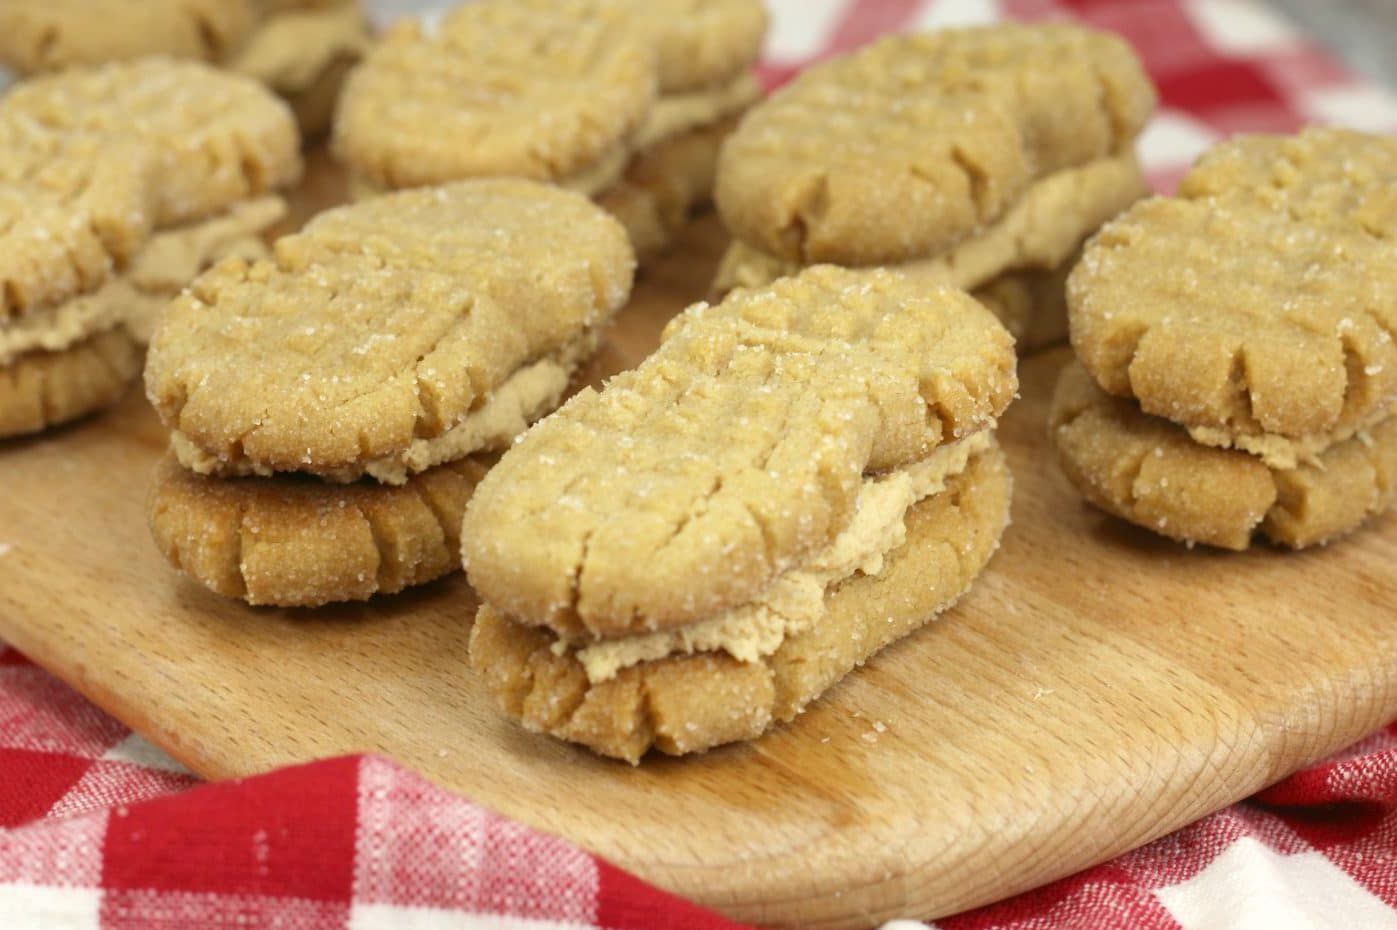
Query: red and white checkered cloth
x: 99, y: 829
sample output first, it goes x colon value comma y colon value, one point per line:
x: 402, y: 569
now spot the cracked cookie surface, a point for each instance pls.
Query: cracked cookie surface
x: 382, y: 323
x: 1148, y: 471
x: 689, y: 703
x: 1262, y: 301
x: 217, y: 138
x: 736, y: 449
x: 48, y: 35
x: 472, y: 98
x: 911, y: 144
x: 293, y: 541
x: 74, y: 207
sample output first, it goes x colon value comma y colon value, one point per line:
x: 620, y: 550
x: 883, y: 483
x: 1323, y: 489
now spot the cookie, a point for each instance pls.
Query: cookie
x: 382, y: 323
x: 136, y: 297
x: 907, y: 146
x: 475, y: 98
x: 1032, y: 305
x: 702, y: 43
x: 619, y: 514
x: 1258, y: 305
x: 50, y: 35
x: 304, y: 54
x: 43, y: 389
x: 293, y: 541
x: 1047, y: 223
x: 1148, y: 471
x: 73, y: 208
x: 176, y: 256
x: 690, y: 702
x: 218, y: 138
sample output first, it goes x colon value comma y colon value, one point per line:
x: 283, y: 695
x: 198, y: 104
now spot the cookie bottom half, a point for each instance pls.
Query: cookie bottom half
x: 304, y: 53
x: 689, y: 703
x: 295, y: 541
x: 665, y: 184
x: 1031, y: 304
x: 43, y: 389
x: 1149, y: 472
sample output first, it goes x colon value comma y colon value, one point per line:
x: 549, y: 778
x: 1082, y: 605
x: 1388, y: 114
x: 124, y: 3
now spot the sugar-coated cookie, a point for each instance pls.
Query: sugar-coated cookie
x: 297, y: 542
x: 910, y: 144
x: 41, y: 389
x: 1149, y: 471
x: 665, y: 562
x: 1258, y: 307
x: 691, y: 701
x: 614, y: 515
x: 383, y: 323
x: 219, y: 138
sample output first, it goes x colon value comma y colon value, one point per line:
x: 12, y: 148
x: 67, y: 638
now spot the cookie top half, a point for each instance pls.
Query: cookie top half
x: 1260, y: 300
x: 382, y: 322
x: 687, y: 484
x: 48, y: 35
x: 703, y: 43
x: 908, y: 145
x: 523, y: 88
x: 219, y: 137
x: 74, y: 208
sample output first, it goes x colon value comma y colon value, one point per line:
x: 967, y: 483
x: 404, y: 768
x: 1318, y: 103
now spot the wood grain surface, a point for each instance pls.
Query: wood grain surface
x: 1098, y: 688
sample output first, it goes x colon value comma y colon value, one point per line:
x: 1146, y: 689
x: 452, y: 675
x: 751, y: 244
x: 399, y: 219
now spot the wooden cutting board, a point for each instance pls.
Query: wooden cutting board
x: 1098, y: 688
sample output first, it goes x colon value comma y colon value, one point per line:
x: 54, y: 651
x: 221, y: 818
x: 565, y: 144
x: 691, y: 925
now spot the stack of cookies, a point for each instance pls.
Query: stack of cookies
x: 983, y: 157
x: 333, y: 407
x: 624, y: 100
x: 1237, y: 371
x: 798, y: 477
x: 301, y: 49
x: 118, y: 185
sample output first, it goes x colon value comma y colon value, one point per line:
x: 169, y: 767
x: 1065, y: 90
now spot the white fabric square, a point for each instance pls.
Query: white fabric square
x: 1251, y: 887
x: 799, y: 30
x: 1240, y: 27
x: 37, y: 907
x: 388, y: 917
x: 1357, y: 106
x: 418, y: 846
x: 139, y: 752
x: 940, y: 14
x: 1173, y: 140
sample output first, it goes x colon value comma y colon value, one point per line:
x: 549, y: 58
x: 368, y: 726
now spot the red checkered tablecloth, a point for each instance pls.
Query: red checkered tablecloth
x: 99, y: 829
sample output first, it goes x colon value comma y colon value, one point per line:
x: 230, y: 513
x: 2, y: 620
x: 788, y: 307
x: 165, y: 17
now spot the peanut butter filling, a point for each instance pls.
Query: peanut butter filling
x: 795, y: 600
x: 1039, y: 231
x: 168, y: 262
x: 526, y: 395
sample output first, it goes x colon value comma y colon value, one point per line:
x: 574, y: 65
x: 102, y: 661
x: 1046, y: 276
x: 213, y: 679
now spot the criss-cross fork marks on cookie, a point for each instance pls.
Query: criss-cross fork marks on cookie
x: 741, y: 443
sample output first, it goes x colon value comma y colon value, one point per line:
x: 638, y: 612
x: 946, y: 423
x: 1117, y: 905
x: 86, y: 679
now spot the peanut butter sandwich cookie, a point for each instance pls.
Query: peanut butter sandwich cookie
x: 1244, y: 328
x: 97, y: 230
x: 799, y: 476
x: 332, y: 407
x: 301, y: 49
x: 964, y: 154
x: 622, y: 100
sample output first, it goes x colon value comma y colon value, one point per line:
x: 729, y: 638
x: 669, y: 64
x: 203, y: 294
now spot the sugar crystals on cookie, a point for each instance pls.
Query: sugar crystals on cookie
x: 301, y: 49
x: 797, y: 477
x: 329, y: 405
x: 119, y: 184
x: 623, y: 100
x: 965, y: 154
x: 1243, y: 329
